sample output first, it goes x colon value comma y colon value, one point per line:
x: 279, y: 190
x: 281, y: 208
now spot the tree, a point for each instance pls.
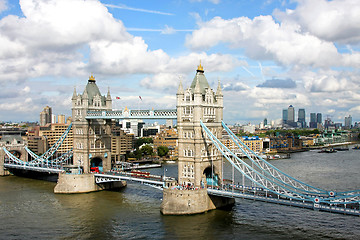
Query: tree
x: 162, y: 151
x: 141, y: 141
x: 146, y: 150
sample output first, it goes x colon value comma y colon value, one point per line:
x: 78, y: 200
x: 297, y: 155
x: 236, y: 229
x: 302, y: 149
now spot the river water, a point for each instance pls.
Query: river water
x: 30, y: 210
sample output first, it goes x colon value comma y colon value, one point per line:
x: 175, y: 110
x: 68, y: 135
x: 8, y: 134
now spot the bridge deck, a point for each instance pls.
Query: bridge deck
x: 33, y: 168
x: 288, y: 202
x: 152, y: 180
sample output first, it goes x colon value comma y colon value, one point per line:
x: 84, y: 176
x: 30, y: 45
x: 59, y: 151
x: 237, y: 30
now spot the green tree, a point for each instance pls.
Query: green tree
x: 141, y: 141
x: 162, y: 151
x: 146, y: 150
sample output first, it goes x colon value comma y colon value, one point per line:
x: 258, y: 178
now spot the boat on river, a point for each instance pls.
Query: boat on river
x: 328, y: 150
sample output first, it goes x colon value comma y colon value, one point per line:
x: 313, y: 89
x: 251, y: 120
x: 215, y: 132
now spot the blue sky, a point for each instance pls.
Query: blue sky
x: 267, y: 54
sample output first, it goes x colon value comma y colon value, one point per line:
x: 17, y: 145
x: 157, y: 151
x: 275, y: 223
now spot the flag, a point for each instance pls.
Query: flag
x: 140, y: 98
x: 117, y: 97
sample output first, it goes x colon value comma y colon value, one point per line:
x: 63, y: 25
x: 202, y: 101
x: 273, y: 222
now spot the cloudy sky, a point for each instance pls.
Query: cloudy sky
x: 267, y: 54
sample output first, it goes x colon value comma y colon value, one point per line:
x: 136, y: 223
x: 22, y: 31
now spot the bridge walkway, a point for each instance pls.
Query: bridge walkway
x: 145, y: 178
x: 259, y: 194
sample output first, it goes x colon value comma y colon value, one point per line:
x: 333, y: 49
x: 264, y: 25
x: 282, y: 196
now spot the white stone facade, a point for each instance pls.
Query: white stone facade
x: 92, y: 138
x: 196, y: 152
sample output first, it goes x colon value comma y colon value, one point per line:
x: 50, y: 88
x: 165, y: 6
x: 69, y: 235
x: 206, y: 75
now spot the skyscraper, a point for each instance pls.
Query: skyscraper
x: 291, y: 114
x: 348, y: 122
x: 301, y: 117
x: 285, y: 116
x: 45, y: 116
x: 319, y: 118
x: 312, y: 120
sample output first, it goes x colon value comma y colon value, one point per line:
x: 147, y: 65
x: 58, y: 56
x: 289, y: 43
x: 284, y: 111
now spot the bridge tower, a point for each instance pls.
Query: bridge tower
x: 91, y: 138
x: 15, y: 145
x: 200, y: 163
x: 199, y: 160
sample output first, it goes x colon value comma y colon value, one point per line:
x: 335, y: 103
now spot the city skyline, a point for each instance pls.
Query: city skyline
x: 267, y: 54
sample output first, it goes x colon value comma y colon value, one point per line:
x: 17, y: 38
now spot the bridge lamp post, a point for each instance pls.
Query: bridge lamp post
x: 165, y: 170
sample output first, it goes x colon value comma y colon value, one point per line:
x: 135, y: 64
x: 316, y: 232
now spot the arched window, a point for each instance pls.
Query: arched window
x: 188, y: 97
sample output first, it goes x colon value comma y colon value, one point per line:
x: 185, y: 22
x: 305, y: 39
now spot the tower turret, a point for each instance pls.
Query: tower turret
x: 74, y: 94
x: 108, y: 100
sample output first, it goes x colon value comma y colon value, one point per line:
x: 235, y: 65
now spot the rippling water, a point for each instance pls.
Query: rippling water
x: 29, y: 209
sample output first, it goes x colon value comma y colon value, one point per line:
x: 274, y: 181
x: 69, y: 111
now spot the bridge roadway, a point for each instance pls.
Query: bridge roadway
x: 151, y: 180
x: 38, y: 168
x: 250, y: 193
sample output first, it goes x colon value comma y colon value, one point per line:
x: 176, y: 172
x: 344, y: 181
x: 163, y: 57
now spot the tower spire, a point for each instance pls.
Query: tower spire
x: 74, y: 93
x: 180, y: 88
x: 108, y: 94
x: 218, y: 90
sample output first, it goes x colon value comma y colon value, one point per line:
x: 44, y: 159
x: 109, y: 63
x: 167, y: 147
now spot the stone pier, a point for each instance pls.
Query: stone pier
x: 3, y: 172
x: 185, y: 202
x: 83, y: 183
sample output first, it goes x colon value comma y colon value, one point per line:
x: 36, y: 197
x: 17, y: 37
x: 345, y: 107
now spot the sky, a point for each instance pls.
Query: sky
x: 267, y: 54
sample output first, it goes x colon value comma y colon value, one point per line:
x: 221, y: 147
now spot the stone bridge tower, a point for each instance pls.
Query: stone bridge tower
x: 91, y: 138
x: 15, y: 145
x: 199, y: 160
x: 200, y: 163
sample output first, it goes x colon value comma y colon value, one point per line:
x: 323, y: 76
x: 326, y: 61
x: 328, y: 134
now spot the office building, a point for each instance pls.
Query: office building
x: 45, y: 116
x: 319, y: 118
x: 312, y: 123
x: 301, y: 117
x: 348, y: 122
x: 291, y: 114
x: 284, y: 116
x: 121, y: 143
x: 169, y: 139
x: 54, y: 132
x: 61, y: 119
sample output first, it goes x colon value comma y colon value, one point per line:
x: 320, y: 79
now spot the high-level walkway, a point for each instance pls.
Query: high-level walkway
x: 133, y: 114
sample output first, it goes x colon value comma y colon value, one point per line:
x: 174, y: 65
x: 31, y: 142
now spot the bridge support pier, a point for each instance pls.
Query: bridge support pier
x: 83, y: 183
x: 185, y: 202
x: 3, y: 172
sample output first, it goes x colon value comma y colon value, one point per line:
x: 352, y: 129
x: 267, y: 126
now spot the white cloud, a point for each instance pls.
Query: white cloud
x: 330, y: 81
x: 126, y: 57
x: 168, y: 30
x: 26, y: 105
x: 25, y: 90
x: 238, y: 86
x: 355, y: 109
x: 264, y: 39
x: 336, y: 20
x: 50, y: 36
x: 162, y: 81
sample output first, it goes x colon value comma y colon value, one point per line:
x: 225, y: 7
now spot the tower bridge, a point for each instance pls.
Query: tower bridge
x: 200, y: 185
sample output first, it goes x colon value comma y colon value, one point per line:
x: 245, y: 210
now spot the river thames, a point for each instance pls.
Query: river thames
x: 30, y: 210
